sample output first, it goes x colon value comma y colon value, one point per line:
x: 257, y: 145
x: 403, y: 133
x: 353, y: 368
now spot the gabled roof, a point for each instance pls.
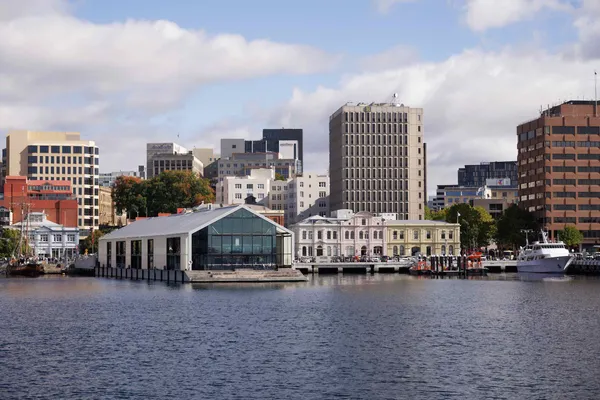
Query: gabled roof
x: 179, y: 224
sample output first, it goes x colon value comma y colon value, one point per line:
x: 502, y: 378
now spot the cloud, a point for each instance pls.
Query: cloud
x: 587, y: 23
x: 58, y: 71
x: 482, y: 15
x: 383, y: 6
x: 394, y: 57
x: 472, y: 102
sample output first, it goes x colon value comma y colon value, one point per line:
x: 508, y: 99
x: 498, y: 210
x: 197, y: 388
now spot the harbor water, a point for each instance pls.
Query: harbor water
x: 334, y: 337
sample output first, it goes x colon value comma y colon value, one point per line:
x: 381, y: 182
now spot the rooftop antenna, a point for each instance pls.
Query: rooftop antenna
x: 395, y: 100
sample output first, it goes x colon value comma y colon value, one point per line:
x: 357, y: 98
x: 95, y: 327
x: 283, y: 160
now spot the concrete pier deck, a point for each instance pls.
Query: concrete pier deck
x: 353, y: 267
x: 177, y: 276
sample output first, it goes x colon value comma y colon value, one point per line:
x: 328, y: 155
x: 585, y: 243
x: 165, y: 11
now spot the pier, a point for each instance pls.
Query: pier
x: 215, y: 276
x: 352, y: 267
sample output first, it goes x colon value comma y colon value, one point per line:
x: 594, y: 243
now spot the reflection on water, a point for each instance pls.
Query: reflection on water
x: 338, y: 336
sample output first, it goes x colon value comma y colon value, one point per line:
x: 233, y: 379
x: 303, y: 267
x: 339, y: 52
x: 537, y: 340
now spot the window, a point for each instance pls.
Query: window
x: 450, y: 235
x: 328, y: 235
x: 32, y: 149
x: 335, y: 235
x: 136, y: 254
x: 261, y: 186
x: 347, y: 235
x: 71, y: 238
x: 66, y: 149
x: 238, y: 195
x: 363, y: 222
x: 108, y: 254
x: 319, y: 235
x: 238, y: 185
x: 416, y: 235
x: 57, y: 238
x: 44, y: 238
x: 301, y: 184
x: 150, y: 253
x: 55, y: 149
x: 44, y: 149
x: 322, y: 194
x: 428, y: 234
x: 120, y: 250
x: 322, y: 184
x: 174, y: 253
x: 395, y: 236
x: 304, y: 235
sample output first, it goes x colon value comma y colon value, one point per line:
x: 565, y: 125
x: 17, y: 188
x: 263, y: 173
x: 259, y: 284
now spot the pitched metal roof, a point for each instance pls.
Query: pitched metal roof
x: 178, y: 224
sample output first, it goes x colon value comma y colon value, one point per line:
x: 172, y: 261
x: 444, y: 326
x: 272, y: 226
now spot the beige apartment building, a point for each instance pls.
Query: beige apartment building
x: 108, y: 211
x: 377, y: 159
x: 57, y: 156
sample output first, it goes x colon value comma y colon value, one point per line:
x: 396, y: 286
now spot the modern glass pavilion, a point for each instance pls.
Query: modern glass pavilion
x: 208, y: 239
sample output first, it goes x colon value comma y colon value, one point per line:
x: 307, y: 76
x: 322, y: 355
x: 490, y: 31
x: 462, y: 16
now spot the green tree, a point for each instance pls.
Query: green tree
x: 571, y: 236
x: 87, y: 244
x: 163, y: 193
x: 279, y: 177
x: 477, y: 226
x: 435, y: 215
x: 9, y: 243
x: 510, y: 226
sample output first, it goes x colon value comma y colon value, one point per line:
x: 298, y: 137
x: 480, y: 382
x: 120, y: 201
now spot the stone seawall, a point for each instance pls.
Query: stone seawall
x: 240, y: 275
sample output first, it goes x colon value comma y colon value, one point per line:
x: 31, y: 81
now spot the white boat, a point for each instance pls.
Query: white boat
x: 544, y: 257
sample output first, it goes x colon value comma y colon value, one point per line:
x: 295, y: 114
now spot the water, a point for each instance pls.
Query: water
x: 356, y: 337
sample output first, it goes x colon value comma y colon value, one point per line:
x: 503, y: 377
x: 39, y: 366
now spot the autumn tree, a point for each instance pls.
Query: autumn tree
x: 279, y: 177
x: 163, y: 193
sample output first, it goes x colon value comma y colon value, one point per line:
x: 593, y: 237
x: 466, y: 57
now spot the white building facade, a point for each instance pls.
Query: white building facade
x: 345, y: 234
x: 48, y: 239
x: 235, y: 189
x: 307, y: 195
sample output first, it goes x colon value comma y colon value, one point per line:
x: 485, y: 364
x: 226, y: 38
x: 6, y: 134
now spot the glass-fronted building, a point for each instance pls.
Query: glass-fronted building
x: 214, y: 238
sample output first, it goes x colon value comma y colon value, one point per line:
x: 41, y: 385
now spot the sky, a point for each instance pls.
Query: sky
x: 124, y: 73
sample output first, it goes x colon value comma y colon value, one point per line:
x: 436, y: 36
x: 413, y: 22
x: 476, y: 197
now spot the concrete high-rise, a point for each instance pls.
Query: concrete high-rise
x: 376, y: 159
x: 559, y: 168
x: 170, y: 157
x: 478, y: 174
x: 58, y: 156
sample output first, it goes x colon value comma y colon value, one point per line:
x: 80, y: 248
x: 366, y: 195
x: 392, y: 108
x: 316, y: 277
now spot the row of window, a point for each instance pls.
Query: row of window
x: 44, y: 149
x: 65, y: 170
x: 573, y: 195
x: 65, y: 160
x: 572, y: 156
x: 44, y: 237
x: 377, y: 250
x: 368, y: 116
x: 572, y: 143
x: 376, y: 140
x: 377, y: 234
x: 349, y: 162
x: 574, y: 207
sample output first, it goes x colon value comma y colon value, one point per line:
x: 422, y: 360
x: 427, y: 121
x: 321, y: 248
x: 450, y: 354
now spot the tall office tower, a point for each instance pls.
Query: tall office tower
x: 376, y: 159
x: 559, y: 168
x: 170, y: 157
x: 58, y: 156
x: 478, y: 174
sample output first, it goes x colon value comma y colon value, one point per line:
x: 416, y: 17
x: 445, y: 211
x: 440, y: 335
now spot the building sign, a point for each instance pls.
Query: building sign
x: 498, y: 182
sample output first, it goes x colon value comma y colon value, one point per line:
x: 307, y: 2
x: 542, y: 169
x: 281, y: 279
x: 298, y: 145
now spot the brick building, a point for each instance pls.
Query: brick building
x: 559, y: 168
x: 53, y: 198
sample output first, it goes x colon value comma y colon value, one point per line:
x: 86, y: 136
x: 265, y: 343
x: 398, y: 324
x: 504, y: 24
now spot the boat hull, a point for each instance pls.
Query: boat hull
x: 554, y: 265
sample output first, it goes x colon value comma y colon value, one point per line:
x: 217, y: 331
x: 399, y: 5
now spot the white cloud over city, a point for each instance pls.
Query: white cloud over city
x: 58, y: 71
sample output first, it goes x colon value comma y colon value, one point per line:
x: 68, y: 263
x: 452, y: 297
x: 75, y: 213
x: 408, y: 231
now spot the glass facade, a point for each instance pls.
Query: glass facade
x: 240, y: 240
